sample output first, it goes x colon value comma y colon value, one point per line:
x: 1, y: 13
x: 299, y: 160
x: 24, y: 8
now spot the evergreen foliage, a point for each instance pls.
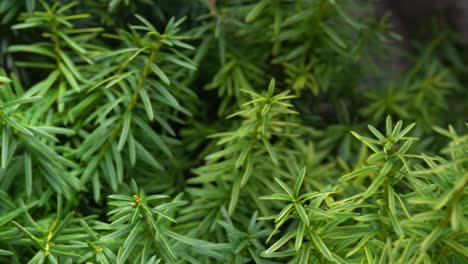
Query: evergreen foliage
x: 228, y: 132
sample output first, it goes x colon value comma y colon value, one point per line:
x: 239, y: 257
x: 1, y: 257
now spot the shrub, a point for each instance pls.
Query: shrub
x: 227, y: 132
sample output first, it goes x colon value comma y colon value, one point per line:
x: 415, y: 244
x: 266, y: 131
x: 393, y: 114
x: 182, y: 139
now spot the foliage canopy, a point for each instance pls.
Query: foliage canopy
x: 227, y: 132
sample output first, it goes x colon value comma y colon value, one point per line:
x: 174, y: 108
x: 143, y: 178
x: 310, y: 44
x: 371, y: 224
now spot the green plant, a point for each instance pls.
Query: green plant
x: 227, y: 132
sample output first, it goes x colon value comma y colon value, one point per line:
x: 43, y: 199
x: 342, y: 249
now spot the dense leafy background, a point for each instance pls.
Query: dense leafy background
x: 235, y: 131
